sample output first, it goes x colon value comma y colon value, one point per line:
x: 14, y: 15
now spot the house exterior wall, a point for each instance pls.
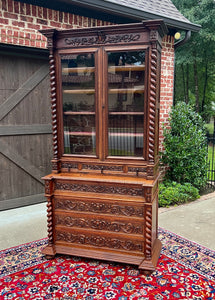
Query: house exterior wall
x: 167, y: 84
x: 20, y: 22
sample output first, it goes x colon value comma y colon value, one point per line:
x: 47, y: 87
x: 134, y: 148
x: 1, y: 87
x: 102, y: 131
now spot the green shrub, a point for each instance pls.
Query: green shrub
x: 172, y: 193
x: 185, y: 146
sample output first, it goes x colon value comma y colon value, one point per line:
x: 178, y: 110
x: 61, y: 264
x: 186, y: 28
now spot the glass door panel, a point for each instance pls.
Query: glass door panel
x: 126, y: 76
x: 78, y: 87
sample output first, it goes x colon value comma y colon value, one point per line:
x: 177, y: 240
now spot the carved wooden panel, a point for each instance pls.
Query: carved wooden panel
x: 99, y: 241
x: 100, y: 224
x: 99, y: 207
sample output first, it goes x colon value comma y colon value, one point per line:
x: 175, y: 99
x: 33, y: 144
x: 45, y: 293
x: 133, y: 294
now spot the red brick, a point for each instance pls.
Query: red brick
x: 65, y: 17
x: 55, y: 24
x: 71, y: 19
x: 27, y: 43
x: 22, y: 8
x: 3, y: 31
x: 60, y: 16
x: 4, y: 21
x: 9, y: 40
x: 21, y: 41
x: 16, y: 7
x: 45, y: 13
x: 33, y: 36
x: 50, y: 14
x: 34, y: 10
x: 32, y: 43
x: 33, y: 26
x: 4, y: 5
x: 10, y: 16
x: 26, y: 19
x: 18, y: 24
x: 15, y: 34
x: 28, y: 9
x: 39, y: 12
x: 3, y: 39
x: 75, y: 20
x: 10, y: 5
x: 41, y: 21
x: 55, y: 15
x: 43, y: 45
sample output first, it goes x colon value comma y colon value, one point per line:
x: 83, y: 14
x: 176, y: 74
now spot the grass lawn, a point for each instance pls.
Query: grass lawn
x: 211, y: 163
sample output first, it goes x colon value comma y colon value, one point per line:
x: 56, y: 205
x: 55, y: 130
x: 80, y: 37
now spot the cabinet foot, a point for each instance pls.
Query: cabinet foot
x: 149, y: 266
x: 49, y: 251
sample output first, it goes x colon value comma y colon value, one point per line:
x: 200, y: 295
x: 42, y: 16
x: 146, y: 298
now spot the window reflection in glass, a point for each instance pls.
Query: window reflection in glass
x: 126, y: 75
x: 78, y: 87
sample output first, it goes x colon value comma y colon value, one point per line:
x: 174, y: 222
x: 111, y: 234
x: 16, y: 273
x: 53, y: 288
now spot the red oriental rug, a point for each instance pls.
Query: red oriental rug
x: 185, y: 270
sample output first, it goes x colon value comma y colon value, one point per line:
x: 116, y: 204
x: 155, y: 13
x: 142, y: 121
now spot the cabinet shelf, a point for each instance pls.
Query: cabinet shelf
x: 112, y: 113
x: 81, y: 91
x: 138, y: 90
x: 125, y: 113
x: 83, y: 133
x: 65, y: 71
x: 77, y: 113
x: 126, y: 68
x: 114, y: 134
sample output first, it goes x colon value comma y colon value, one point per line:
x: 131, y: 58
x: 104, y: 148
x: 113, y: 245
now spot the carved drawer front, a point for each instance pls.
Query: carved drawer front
x: 100, y: 223
x: 104, y: 206
x: 100, y: 187
x: 110, y: 224
x: 99, y: 240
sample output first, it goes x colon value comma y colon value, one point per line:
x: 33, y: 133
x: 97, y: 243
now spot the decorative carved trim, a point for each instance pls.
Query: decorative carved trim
x: 103, y: 167
x: 121, y: 190
x: 152, y: 104
x: 69, y: 165
x: 153, y: 35
x: 148, y: 233
x: 102, y: 39
x: 104, y: 208
x: 99, y: 224
x: 99, y: 241
x: 148, y: 194
x: 47, y: 187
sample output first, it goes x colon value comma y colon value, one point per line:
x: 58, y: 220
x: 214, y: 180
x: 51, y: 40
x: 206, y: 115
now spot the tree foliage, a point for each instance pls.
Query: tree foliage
x: 195, y: 61
x: 185, y: 146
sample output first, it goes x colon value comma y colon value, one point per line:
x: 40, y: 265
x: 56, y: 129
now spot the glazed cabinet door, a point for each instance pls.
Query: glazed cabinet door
x: 79, y: 103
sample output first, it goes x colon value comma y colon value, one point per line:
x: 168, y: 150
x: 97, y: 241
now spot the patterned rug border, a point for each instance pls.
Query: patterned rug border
x: 200, y: 248
x: 175, y: 250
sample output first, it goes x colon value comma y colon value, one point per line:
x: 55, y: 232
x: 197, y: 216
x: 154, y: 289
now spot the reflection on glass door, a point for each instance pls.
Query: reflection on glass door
x: 78, y: 85
x: 126, y: 75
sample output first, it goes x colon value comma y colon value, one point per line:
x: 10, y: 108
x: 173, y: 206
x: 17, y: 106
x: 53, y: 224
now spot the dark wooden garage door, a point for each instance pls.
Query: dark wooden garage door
x: 25, y: 129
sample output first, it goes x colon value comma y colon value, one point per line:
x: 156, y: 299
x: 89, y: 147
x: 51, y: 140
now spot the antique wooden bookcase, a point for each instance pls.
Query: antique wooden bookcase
x: 103, y: 191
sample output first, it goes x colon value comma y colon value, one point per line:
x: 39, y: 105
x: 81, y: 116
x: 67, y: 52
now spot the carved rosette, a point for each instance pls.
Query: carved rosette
x: 99, y: 241
x: 152, y: 104
x: 148, y: 233
x: 98, y: 208
x: 99, y: 224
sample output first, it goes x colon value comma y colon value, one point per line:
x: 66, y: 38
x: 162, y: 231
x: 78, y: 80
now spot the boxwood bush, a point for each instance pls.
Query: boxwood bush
x: 173, y: 193
x: 185, y: 145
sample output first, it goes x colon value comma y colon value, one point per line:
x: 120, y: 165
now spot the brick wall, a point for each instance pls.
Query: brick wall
x: 167, y: 84
x: 20, y: 22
